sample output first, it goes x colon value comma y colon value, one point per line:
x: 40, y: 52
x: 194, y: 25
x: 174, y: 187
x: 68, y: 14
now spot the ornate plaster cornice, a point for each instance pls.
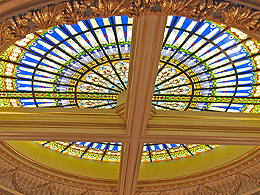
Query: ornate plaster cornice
x: 17, y: 27
x: 236, y: 177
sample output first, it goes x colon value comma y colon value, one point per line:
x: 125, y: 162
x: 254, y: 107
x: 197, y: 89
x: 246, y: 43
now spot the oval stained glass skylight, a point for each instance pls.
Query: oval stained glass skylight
x: 204, y: 66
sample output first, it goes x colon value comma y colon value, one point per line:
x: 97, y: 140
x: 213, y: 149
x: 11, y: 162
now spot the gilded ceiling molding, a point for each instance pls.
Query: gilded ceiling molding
x: 19, y: 186
x: 228, y: 185
x: 15, y: 28
x: 202, y: 189
x: 16, y: 171
x: 19, y: 169
x: 18, y: 181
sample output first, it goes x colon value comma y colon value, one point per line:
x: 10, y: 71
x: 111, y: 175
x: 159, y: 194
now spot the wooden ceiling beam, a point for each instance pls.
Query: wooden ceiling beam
x: 129, y: 168
x: 104, y: 125
x: 204, y: 127
x: 148, y: 32
x: 61, y: 124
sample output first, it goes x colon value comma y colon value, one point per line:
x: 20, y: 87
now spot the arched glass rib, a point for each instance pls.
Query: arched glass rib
x: 117, y: 42
x: 186, y: 39
x: 214, y: 69
x: 187, y: 149
x: 213, y: 79
x: 100, y: 45
x: 202, y: 46
x: 44, y: 57
x: 72, y: 57
x: 149, y: 150
x: 91, y: 144
x: 105, y: 151
x: 67, y: 147
x: 168, y: 34
x: 196, y: 65
x: 36, y: 68
x: 166, y: 148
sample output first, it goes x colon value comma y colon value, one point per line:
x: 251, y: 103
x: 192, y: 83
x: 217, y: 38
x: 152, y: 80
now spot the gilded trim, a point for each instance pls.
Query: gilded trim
x: 223, y: 168
x: 39, y: 169
x: 35, y: 168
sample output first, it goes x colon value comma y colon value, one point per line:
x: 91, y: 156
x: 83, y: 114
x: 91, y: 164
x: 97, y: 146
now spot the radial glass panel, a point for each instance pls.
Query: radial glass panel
x: 207, y: 66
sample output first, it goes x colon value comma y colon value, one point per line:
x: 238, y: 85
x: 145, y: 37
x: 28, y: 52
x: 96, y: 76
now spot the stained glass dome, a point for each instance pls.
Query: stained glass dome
x: 204, y: 66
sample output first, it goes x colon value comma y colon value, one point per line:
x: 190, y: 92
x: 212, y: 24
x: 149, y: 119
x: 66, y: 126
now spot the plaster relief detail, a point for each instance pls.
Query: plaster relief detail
x: 31, y: 178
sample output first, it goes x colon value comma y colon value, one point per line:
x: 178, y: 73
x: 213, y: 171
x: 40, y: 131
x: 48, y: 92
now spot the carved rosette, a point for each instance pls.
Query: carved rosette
x: 241, y: 17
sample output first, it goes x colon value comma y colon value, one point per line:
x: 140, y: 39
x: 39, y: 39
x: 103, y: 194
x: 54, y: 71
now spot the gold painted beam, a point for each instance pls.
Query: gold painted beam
x: 204, y: 127
x: 61, y: 124
x: 105, y: 125
x: 129, y: 166
x: 146, y: 47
